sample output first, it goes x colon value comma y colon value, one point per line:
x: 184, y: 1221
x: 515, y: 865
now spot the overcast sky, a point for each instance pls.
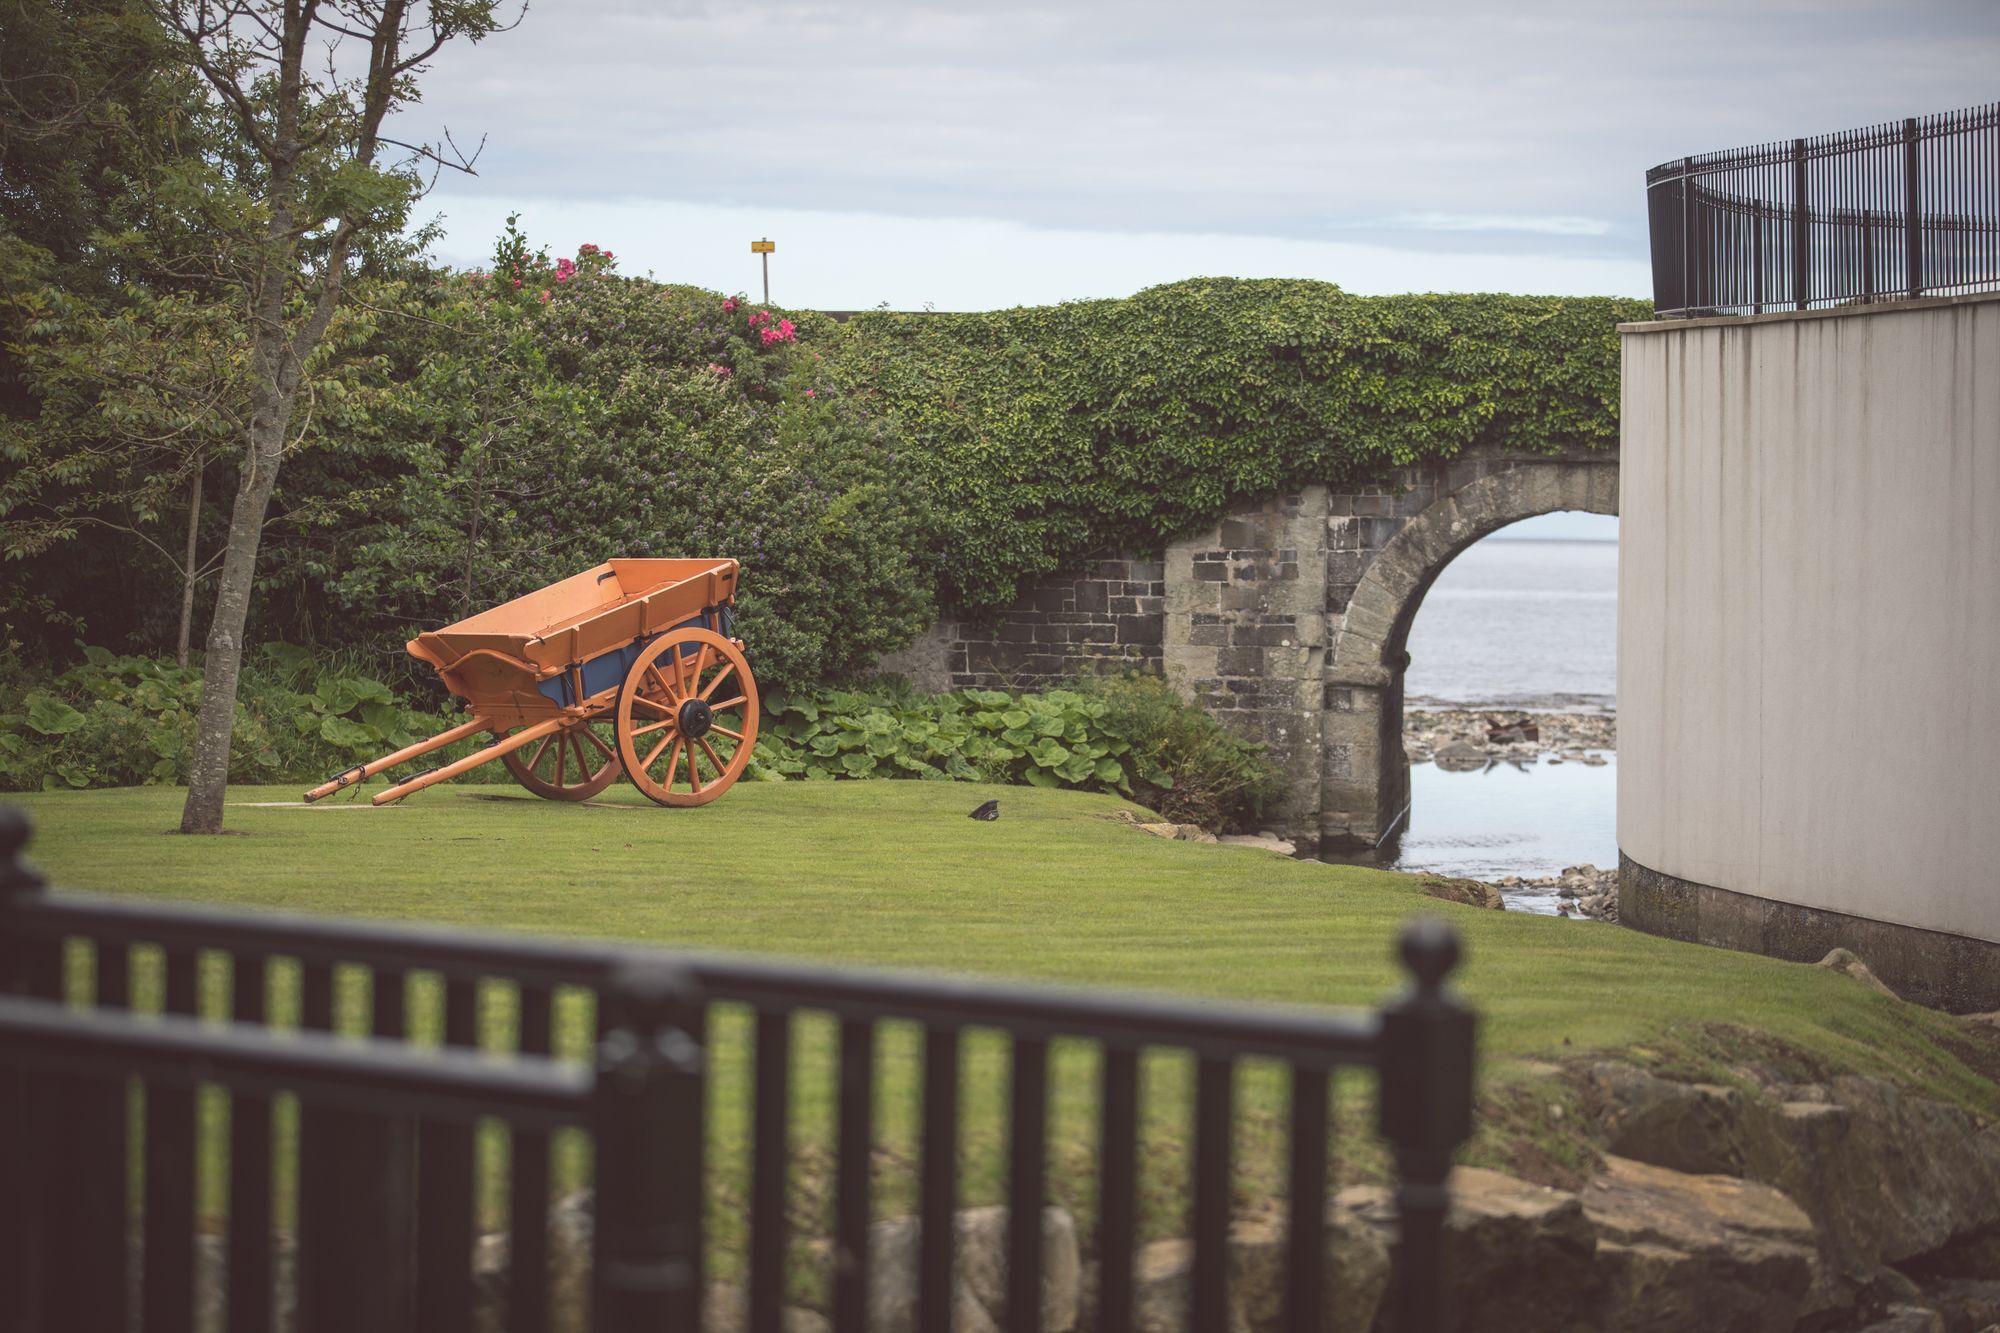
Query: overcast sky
x: 973, y: 155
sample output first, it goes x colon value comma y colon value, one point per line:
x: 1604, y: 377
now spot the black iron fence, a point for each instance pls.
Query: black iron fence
x: 168, y: 1071
x: 1910, y: 208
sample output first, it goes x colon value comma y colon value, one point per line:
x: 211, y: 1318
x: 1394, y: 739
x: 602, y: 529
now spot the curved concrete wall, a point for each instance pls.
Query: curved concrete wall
x: 1809, y: 625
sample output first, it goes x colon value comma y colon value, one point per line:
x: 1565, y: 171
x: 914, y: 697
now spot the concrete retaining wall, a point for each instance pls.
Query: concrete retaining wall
x: 1809, y: 619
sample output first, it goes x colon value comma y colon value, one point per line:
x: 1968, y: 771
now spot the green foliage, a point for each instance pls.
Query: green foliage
x: 113, y: 721
x: 1051, y: 431
x: 1127, y: 734
x: 583, y: 416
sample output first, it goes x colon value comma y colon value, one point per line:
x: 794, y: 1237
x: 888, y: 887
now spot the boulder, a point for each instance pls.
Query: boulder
x: 1267, y: 842
x: 982, y: 1265
x: 1357, y: 1273
x: 1161, y: 1272
x: 1679, y: 1251
x: 1471, y: 892
x: 1884, y: 1176
x: 1847, y: 964
x: 1519, y: 1254
x: 1965, y: 1306
x: 1905, y: 1319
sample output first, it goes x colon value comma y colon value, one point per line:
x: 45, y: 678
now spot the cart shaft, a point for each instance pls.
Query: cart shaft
x: 506, y: 745
x: 363, y: 772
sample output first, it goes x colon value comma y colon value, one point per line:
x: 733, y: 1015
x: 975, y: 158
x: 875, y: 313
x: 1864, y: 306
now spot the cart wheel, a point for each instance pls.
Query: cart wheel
x: 574, y: 764
x: 687, y: 717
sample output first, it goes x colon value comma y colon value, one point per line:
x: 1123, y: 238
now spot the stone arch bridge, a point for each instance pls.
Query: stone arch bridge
x: 1288, y: 620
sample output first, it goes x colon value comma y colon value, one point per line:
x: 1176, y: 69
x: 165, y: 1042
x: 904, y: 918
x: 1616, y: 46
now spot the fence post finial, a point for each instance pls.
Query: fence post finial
x: 1425, y: 1112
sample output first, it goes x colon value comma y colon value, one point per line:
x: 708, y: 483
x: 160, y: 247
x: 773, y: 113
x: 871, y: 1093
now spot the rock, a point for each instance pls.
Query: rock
x: 1905, y: 1319
x: 1518, y: 1254
x: 726, y: 1309
x: 1192, y: 833
x: 1964, y: 1305
x: 1357, y: 1273
x: 982, y: 1264
x: 1461, y: 756
x: 1160, y: 830
x: 1847, y: 964
x: 1679, y: 1251
x: 1892, y: 1176
x: 1699, y: 1128
x: 1470, y: 892
x: 1268, y: 842
x: 1161, y: 1272
x: 1974, y: 1254
x: 1885, y: 1177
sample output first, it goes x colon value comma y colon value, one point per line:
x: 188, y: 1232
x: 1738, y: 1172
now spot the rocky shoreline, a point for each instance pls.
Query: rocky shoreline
x: 1462, y: 739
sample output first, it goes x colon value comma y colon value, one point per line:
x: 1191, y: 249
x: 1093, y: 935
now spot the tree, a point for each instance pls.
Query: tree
x: 310, y: 186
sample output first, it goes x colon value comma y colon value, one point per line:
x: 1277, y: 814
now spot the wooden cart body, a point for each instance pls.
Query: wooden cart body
x: 548, y: 662
x: 555, y: 649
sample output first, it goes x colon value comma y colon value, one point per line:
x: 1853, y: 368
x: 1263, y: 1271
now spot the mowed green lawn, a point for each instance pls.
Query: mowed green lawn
x: 893, y: 874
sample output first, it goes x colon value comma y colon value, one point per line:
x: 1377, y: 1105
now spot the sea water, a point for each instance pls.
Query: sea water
x: 1527, y: 625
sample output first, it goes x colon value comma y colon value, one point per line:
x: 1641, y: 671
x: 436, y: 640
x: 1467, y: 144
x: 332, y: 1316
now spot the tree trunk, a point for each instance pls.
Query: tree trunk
x: 187, y: 570
x: 208, y: 776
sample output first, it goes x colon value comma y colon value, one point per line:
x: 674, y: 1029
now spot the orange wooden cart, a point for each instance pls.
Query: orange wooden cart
x: 630, y: 666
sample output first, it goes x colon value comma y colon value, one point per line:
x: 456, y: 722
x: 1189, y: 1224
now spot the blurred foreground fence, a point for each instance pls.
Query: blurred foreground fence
x: 1909, y: 208
x: 315, y: 1093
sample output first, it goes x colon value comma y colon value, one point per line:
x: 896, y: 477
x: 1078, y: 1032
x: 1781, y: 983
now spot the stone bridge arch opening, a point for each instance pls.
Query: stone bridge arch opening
x: 1289, y: 620
x: 1364, y: 783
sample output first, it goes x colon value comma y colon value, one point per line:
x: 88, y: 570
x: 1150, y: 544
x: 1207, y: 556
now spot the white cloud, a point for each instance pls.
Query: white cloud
x: 850, y: 261
x: 1446, y: 126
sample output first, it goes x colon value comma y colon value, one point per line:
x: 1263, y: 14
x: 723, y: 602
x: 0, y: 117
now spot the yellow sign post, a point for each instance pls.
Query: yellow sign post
x: 765, y: 248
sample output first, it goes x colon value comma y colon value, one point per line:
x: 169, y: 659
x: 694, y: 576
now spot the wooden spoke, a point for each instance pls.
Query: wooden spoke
x: 728, y: 668
x: 681, y: 665
x: 562, y: 767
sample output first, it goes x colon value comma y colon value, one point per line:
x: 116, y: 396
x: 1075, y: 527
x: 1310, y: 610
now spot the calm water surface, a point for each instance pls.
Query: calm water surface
x: 1518, y: 625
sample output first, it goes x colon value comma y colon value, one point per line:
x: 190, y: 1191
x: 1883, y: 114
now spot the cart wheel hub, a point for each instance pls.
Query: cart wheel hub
x: 696, y: 717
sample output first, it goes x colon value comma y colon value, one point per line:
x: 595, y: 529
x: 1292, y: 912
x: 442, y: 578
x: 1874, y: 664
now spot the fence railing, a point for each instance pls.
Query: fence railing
x: 1910, y: 208
x: 358, y: 1072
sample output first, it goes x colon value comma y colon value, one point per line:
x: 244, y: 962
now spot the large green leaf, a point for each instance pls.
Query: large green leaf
x: 348, y: 735
x: 51, y: 716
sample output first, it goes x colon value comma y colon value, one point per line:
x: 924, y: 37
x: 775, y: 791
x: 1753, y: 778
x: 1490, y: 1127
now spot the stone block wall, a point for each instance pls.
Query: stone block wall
x: 1286, y: 620
x: 1109, y: 611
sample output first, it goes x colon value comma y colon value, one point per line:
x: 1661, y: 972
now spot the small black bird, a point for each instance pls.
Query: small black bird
x: 991, y: 810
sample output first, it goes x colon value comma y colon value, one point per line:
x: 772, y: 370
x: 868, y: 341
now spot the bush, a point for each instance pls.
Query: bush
x: 1049, y: 432
x: 114, y: 721
x: 1195, y: 771
x: 1128, y: 734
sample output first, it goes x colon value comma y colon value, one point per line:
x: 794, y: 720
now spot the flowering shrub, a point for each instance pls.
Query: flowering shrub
x: 625, y: 418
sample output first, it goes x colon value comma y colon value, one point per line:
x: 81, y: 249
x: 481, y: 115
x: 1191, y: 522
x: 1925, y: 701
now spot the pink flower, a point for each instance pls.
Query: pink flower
x: 517, y: 282
x: 545, y: 294
x: 729, y: 306
x: 810, y: 394
x: 715, y: 369
x: 586, y: 249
